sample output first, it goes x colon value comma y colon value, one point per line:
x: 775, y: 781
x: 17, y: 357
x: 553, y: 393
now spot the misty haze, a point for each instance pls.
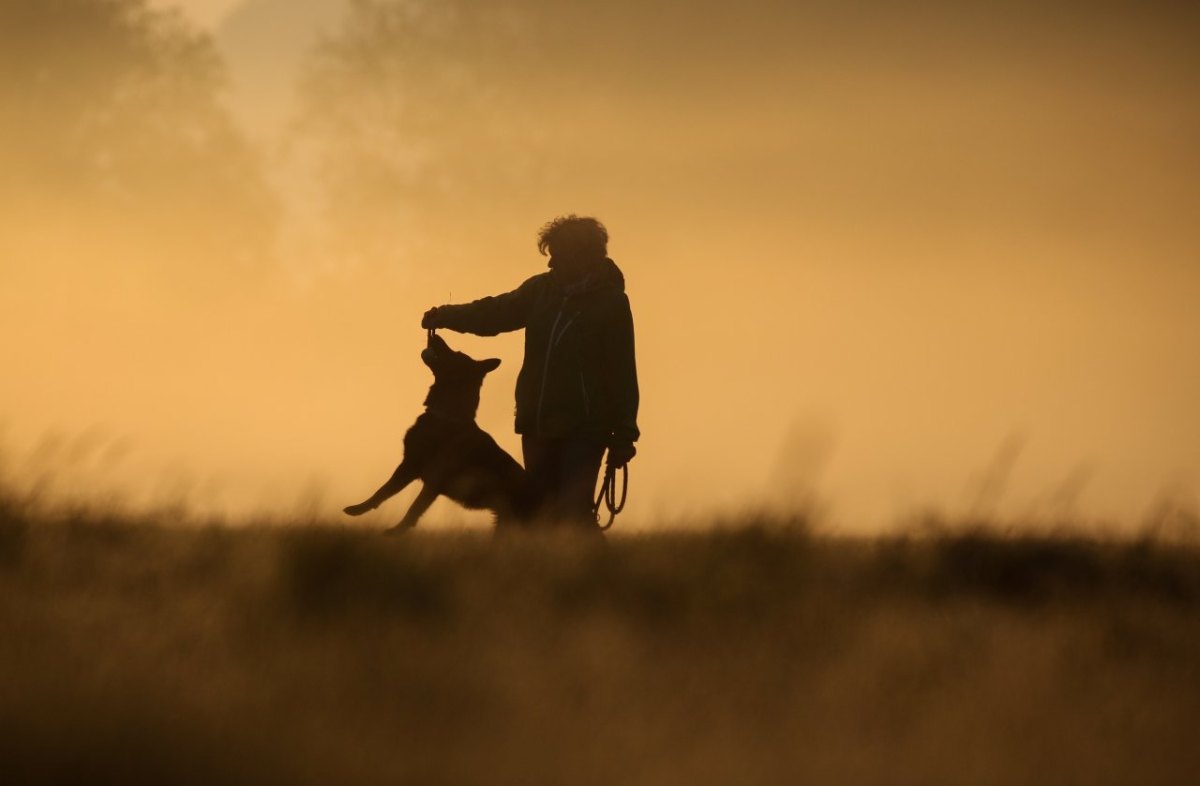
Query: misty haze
x: 918, y: 235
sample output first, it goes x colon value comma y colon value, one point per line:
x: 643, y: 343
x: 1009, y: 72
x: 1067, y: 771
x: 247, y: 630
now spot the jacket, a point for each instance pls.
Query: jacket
x: 580, y: 375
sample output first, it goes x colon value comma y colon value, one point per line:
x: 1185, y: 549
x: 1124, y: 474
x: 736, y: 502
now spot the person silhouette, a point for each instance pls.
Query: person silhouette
x: 577, y: 391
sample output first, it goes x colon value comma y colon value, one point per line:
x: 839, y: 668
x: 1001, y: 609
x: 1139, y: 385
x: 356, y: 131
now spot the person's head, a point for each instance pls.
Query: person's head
x: 574, y: 243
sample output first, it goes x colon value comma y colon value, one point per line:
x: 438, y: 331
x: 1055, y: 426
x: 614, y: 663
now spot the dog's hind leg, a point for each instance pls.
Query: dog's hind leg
x: 418, y: 508
x: 404, y: 474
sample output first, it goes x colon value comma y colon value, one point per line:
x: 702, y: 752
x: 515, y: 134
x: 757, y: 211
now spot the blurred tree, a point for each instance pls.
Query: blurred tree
x: 110, y: 111
x: 415, y: 111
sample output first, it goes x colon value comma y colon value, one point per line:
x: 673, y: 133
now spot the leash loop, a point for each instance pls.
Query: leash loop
x: 608, y: 495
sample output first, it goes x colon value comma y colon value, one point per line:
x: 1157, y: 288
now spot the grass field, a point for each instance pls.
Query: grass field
x: 137, y: 653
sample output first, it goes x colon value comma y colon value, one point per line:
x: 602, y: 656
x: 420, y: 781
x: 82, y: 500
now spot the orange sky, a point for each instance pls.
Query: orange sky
x: 871, y: 252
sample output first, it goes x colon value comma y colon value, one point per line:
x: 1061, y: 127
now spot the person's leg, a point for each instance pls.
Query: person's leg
x: 542, y: 465
x: 581, y: 458
x: 563, y: 475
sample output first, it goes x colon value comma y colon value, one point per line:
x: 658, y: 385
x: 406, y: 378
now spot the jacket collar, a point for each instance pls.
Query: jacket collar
x: 604, y: 275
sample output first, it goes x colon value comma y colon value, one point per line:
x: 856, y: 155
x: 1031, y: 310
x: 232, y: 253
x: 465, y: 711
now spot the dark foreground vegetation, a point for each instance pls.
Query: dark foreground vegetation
x: 133, y: 653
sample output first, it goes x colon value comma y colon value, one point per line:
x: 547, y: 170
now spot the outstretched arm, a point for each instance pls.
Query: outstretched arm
x: 487, y: 316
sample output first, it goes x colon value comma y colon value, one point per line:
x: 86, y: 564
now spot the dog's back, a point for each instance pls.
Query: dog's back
x: 447, y: 451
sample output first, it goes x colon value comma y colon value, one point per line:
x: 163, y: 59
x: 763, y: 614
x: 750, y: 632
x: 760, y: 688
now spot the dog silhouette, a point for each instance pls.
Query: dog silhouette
x: 450, y: 454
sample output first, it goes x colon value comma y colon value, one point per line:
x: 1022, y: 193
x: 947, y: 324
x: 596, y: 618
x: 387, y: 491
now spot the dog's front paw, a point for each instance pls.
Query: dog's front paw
x: 399, y: 529
x: 359, y: 509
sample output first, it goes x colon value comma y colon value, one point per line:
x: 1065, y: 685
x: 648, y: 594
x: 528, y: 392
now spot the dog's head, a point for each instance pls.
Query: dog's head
x: 450, y: 365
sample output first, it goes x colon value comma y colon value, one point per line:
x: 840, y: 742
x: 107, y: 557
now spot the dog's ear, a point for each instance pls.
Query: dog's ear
x: 491, y: 364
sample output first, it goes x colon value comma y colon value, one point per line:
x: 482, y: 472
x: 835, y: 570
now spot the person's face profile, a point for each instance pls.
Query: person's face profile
x: 570, y: 263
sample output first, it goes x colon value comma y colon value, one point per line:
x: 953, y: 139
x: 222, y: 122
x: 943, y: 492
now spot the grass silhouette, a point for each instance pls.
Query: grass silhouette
x: 134, y: 652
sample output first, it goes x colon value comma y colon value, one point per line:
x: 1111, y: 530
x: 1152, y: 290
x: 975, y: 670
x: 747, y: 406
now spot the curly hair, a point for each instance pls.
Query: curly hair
x: 579, y: 233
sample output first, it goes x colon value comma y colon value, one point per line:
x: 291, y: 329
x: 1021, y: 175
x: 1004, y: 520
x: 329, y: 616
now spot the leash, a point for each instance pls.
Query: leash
x: 608, y: 494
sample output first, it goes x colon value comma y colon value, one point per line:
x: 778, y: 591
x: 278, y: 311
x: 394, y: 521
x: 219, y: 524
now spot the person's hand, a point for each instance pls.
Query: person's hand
x: 620, y: 454
x: 430, y: 319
